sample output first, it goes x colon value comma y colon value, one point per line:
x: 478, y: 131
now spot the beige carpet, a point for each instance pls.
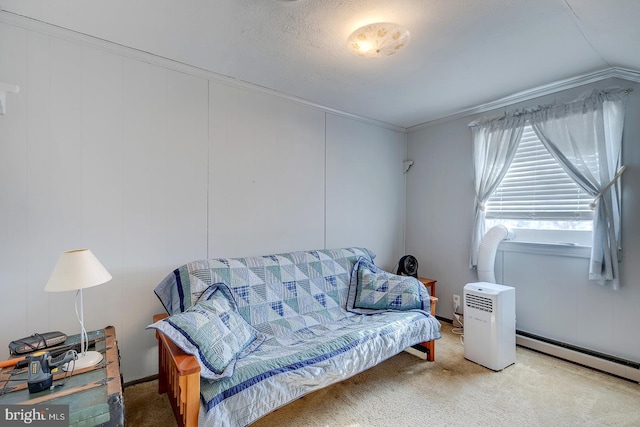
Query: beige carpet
x: 405, y: 391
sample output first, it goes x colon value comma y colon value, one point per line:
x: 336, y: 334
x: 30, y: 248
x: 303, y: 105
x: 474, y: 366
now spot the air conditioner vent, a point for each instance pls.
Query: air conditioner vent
x: 479, y: 302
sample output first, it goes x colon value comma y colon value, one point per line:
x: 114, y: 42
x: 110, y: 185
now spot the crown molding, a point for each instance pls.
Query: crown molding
x: 150, y: 58
x: 621, y: 73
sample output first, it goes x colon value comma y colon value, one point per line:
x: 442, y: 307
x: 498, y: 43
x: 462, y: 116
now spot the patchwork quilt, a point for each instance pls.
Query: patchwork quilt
x: 297, y: 300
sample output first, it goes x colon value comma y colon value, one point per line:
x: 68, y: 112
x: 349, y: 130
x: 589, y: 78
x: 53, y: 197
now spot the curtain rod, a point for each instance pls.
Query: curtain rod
x: 527, y: 111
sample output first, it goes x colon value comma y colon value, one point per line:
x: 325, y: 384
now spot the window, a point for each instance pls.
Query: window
x: 585, y: 137
x: 538, y: 200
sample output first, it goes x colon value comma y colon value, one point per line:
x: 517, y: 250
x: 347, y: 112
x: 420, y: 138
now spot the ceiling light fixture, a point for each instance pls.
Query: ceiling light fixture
x: 379, y: 39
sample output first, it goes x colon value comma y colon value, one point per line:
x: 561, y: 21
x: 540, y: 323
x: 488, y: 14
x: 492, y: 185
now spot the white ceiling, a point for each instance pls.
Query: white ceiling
x: 462, y: 53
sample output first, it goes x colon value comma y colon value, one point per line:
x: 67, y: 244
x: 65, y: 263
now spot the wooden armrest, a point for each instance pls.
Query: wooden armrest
x: 186, y: 364
x: 179, y: 377
x: 434, y: 302
x: 159, y: 316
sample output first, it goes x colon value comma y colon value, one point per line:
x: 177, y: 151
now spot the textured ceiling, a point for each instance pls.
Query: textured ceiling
x: 462, y: 53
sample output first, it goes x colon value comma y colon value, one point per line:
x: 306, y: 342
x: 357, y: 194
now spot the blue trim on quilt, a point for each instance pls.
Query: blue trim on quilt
x: 155, y: 291
x: 292, y: 367
x: 176, y: 273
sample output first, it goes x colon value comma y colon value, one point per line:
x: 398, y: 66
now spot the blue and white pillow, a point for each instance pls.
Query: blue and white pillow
x: 372, y: 290
x: 212, y: 331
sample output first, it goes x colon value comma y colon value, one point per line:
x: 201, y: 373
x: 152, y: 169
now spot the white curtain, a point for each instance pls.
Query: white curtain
x: 585, y: 137
x: 494, y: 146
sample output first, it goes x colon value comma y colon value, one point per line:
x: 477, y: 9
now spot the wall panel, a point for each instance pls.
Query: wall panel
x: 144, y: 193
x: 266, y: 187
x: 99, y: 151
x: 187, y: 169
x: 101, y: 181
x: 365, y: 188
x: 13, y: 181
x: 439, y: 209
x: 38, y: 175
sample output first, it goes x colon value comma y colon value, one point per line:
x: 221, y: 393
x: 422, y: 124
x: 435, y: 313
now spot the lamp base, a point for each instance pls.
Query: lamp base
x: 85, y: 360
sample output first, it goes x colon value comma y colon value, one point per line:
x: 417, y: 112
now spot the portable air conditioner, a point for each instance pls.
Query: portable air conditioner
x: 490, y: 324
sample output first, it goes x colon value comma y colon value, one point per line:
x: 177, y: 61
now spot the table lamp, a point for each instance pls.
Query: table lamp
x: 75, y: 271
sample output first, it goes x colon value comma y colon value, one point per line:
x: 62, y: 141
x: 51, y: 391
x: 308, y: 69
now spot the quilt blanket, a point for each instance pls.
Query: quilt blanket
x: 274, y: 293
x: 275, y: 375
x: 298, y: 301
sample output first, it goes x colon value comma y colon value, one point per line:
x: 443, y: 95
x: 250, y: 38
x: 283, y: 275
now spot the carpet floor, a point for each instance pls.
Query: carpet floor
x: 405, y: 391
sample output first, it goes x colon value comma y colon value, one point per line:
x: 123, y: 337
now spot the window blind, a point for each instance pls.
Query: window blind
x: 537, y: 188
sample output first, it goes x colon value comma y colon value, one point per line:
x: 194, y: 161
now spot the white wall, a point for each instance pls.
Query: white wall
x: 554, y: 297
x: 266, y: 180
x: 366, y: 206
x: 151, y: 164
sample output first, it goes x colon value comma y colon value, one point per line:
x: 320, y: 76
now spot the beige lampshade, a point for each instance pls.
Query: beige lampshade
x: 77, y: 269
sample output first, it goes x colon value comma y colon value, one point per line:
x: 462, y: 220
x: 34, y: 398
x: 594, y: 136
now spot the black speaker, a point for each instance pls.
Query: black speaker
x: 408, y: 266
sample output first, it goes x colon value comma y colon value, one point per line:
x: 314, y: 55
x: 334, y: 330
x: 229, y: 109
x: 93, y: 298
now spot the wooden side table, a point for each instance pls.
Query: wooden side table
x: 430, y: 284
x: 93, y: 394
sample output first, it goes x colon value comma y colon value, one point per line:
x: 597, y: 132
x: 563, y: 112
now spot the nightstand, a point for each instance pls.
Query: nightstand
x: 93, y: 394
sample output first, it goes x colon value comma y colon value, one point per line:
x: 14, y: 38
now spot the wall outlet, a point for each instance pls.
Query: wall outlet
x: 456, y: 303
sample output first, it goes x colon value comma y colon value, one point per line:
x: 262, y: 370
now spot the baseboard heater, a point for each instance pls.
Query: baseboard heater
x: 592, y: 359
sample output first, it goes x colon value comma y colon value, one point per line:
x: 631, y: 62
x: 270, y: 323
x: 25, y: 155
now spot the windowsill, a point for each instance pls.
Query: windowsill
x: 550, y: 249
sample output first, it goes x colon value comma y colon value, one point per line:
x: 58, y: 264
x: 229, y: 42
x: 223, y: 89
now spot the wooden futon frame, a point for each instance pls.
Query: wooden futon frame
x: 179, y: 375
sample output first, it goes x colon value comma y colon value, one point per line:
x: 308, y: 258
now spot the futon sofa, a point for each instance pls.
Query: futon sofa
x: 244, y: 336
